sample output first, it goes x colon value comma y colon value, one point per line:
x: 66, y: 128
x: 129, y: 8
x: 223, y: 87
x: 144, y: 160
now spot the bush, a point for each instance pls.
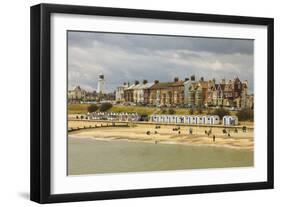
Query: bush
x: 144, y: 117
x: 92, y: 108
x: 171, y: 111
x: 105, y: 106
x: 191, y: 111
x: 245, y: 115
x: 221, y: 112
x: 163, y: 111
x: 199, y: 111
x: 209, y: 111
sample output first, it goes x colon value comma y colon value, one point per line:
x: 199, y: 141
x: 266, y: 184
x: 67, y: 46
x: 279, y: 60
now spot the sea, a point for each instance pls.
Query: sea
x: 91, y: 156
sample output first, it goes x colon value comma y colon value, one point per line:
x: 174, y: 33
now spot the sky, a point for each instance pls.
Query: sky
x: 129, y: 57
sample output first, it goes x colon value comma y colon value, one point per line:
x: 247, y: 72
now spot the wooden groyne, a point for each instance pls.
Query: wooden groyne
x: 94, y: 126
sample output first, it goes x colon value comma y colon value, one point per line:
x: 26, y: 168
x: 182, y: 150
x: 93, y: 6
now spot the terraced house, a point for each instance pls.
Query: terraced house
x: 231, y: 93
x: 167, y: 93
x: 191, y: 93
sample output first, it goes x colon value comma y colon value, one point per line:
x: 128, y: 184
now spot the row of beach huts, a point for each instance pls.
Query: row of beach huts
x: 113, y: 116
x: 195, y: 119
x: 175, y: 119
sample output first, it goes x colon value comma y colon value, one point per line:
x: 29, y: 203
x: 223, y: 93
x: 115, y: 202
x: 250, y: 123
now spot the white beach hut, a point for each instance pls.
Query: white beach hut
x: 205, y: 119
x: 189, y: 119
x: 214, y: 120
x: 174, y: 119
x: 230, y: 120
x: 198, y: 120
x: 181, y: 119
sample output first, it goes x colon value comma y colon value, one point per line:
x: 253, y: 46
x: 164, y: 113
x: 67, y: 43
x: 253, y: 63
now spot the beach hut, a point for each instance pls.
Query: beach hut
x: 157, y: 118
x: 174, y: 119
x: 164, y: 119
x: 189, y: 119
x: 230, y: 120
x: 181, y: 119
x: 177, y: 118
x: 205, y: 120
x: 167, y: 118
x: 215, y: 119
x: 198, y: 120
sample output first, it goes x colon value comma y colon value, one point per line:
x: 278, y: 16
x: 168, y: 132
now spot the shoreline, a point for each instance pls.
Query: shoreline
x: 152, y: 140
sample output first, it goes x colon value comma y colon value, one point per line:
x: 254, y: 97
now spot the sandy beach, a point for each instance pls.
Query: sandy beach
x: 166, y: 134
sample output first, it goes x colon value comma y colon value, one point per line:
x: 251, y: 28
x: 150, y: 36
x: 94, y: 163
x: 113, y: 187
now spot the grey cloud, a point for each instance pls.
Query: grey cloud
x: 123, y: 57
x: 157, y: 42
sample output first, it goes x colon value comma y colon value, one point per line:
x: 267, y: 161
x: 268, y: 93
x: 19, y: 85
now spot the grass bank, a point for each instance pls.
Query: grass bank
x: 142, y: 110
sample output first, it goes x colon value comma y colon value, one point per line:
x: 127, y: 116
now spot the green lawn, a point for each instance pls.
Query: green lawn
x: 134, y: 109
x: 82, y: 109
x: 77, y: 108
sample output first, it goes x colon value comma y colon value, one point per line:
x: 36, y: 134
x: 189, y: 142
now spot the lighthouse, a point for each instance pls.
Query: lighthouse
x: 101, y: 82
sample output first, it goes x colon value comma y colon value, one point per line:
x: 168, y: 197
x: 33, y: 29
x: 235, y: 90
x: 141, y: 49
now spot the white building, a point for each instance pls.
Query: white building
x: 119, y: 96
x: 230, y: 120
x: 76, y: 94
x: 140, y: 92
x: 101, y: 83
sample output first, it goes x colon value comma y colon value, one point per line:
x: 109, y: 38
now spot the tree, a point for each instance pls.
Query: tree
x: 171, y: 111
x: 105, y: 106
x: 92, y: 108
x: 209, y: 111
x: 163, y: 111
x: 199, y: 111
x: 245, y: 114
x: 221, y: 112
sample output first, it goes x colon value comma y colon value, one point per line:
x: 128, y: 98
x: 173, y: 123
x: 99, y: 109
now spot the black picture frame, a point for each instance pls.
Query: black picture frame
x: 41, y: 102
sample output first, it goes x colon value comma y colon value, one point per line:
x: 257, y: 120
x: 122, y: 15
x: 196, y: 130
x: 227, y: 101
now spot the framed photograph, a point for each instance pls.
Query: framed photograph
x: 132, y: 103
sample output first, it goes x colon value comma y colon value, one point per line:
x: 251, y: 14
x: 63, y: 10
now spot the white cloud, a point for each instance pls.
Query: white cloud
x: 136, y: 57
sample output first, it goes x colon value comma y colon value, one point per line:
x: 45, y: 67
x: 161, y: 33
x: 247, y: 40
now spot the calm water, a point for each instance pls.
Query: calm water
x: 87, y: 156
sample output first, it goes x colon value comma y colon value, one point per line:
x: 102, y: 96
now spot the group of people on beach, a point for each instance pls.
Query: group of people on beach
x: 209, y: 132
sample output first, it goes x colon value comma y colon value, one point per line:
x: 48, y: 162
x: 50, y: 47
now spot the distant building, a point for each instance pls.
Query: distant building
x: 232, y: 93
x: 119, y: 96
x: 141, y: 92
x: 76, y: 95
x: 250, y: 101
x: 195, y: 92
x: 129, y: 92
x: 167, y: 93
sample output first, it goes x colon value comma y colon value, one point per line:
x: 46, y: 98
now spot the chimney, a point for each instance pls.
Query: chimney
x: 176, y: 79
x: 144, y: 82
x: 186, y: 79
x: 137, y: 82
x: 192, y: 78
x: 223, y: 81
x: 156, y: 81
x: 202, y: 78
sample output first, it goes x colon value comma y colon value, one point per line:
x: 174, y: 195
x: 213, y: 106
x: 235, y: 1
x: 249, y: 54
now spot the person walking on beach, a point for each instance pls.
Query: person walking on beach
x: 214, y: 138
x: 190, y: 130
